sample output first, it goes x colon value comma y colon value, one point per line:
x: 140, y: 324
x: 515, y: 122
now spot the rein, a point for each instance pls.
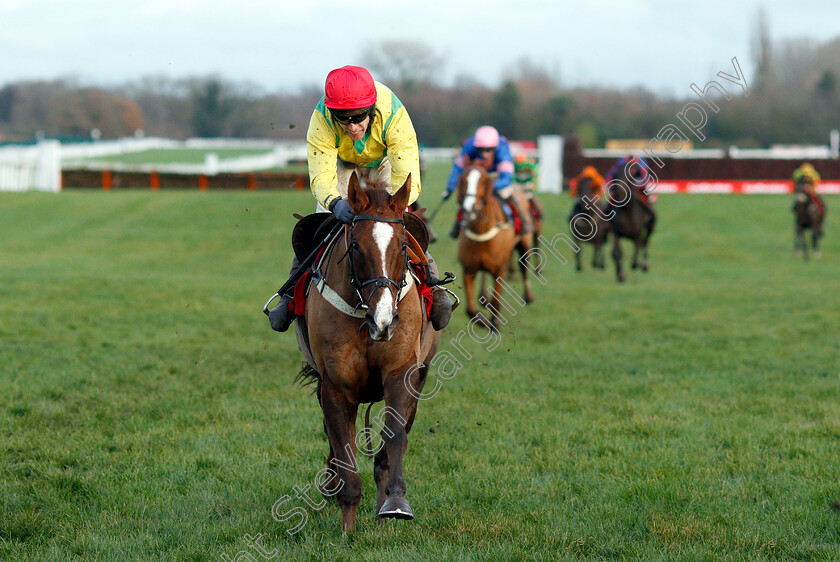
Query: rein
x: 377, y: 282
x: 399, y: 290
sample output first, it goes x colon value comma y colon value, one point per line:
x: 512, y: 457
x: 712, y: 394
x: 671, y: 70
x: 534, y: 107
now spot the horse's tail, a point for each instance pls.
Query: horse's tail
x: 307, y: 376
x: 366, y: 448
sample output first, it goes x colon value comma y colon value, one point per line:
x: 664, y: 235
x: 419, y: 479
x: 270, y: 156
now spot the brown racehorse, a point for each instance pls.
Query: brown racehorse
x: 369, y: 346
x: 595, y: 228
x: 488, y: 240
x: 808, y: 214
x: 633, y: 219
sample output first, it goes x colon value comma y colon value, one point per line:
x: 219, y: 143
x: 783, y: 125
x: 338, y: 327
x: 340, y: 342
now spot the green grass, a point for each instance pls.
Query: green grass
x: 147, y: 411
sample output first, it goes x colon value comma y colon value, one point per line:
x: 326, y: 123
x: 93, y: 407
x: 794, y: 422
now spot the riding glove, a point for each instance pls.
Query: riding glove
x: 342, y: 210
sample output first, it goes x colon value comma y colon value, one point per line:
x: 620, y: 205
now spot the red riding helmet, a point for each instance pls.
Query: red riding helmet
x: 349, y: 87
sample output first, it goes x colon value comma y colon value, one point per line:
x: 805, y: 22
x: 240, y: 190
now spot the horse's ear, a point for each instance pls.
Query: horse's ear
x: 356, y: 196
x: 399, y: 200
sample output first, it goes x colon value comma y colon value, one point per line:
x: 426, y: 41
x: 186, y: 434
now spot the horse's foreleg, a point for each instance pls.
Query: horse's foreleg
x: 400, y: 409
x: 469, y: 289
x: 528, y: 295
x: 616, y: 253
x: 645, y: 240
x: 798, y: 239
x: 816, y: 233
x: 340, y: 423
x: 637, y: 245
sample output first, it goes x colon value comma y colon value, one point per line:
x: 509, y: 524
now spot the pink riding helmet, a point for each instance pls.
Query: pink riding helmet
x: 486, y: 137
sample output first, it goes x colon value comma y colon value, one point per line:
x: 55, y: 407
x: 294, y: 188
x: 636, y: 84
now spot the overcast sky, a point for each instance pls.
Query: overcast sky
x: 282, y: 45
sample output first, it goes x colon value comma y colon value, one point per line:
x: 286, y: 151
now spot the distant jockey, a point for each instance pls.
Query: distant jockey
x: 641, y: 178
x: 493, y: 151
x: 807, y: 178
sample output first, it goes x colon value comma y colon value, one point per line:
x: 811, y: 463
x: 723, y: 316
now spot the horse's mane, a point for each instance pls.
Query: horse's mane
x: 376, y: 186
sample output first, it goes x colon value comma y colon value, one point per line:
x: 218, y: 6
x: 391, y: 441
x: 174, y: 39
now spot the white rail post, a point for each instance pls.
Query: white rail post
x: 48, y: 170
x: 550, y: 152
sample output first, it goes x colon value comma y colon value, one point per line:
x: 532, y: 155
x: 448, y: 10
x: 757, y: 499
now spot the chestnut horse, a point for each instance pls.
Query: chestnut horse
x: 487, y: 241
x: 595, y: 229
x: 363, y: 282
x: 808, y: 213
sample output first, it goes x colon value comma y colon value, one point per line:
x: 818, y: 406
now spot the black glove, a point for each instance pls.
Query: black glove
x: 447, y: 194
x: 342, y: 210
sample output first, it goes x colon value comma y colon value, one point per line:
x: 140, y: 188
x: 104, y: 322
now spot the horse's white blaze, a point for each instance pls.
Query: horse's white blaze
x: 472, y: 189
x: 383, y: 233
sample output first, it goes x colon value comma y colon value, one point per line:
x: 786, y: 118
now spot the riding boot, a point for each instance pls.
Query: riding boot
x: 456, y: 230
x: 442, y: 303
x: 442, y: 307
x: 280, y: 317
x: 526, y: 224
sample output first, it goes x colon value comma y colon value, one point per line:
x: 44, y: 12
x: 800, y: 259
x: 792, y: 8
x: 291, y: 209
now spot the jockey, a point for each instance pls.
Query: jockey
x: 641, y: 177
x: 359, y: 122
x: 808, y: 177
x: 493, y: 150
x: 524, y: 171
x: 596, y: 181
x: 525, y: 176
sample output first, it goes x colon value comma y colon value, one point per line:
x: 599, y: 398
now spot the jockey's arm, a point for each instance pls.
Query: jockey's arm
x: 322, y: 158
x: 403, y: 153
x: 504, y: 166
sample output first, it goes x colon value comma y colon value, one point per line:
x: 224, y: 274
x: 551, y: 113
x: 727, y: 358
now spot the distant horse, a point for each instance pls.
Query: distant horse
x: 808, y: 213
x: 365, y: 337
x: 595, y: 232
x: 632, y: 220
x: 487, y: 241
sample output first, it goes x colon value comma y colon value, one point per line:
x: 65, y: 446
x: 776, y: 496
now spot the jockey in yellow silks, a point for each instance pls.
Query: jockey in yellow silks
x: 388, y: 140
x: 359, y: 122
x: 809, y: 178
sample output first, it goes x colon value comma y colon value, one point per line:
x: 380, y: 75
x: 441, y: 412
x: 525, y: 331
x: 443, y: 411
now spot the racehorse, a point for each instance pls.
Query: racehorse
x: 583, y: 229
x: 632, y: 219
x: 366, y: 338
x: 487, y: 241
x: 808, y: 213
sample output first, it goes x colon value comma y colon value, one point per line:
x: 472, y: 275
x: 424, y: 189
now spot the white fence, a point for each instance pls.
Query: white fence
x: 24, y: 168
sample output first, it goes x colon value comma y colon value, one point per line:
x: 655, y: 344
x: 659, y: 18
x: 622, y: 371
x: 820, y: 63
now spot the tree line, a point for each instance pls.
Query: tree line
x: 795, y: 98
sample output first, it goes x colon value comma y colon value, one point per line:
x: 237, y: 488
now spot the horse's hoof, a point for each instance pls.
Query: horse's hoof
x: 645, y: 267
x: 396, y: 507
x: 634, y: 266
x: 622, y: 277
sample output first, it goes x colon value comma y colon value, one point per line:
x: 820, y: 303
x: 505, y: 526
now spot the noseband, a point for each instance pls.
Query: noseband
x: 377, y: 282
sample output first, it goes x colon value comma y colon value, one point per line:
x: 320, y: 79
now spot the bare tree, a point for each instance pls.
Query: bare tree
x: 406, y: 64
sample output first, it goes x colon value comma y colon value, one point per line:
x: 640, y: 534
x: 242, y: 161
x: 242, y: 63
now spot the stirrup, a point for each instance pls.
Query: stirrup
x: 432, y: 281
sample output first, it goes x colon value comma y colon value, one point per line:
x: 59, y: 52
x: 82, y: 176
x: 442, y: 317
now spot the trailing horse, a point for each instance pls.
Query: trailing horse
x: 366, y: 337
x: 487, y: 241
x: 634, y: 218
x: 809, y: 213
x: 594, y: 228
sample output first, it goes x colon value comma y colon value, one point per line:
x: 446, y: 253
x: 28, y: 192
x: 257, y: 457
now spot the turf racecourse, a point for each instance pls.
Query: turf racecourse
x: 147, y: 412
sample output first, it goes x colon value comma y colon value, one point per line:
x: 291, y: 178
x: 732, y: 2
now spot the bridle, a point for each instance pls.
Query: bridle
x: 377, y: 282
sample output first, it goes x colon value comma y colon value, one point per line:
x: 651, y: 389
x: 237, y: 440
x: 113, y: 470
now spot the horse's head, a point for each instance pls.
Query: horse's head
x: 378, y: 251
x: 475, y: 187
